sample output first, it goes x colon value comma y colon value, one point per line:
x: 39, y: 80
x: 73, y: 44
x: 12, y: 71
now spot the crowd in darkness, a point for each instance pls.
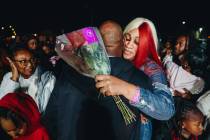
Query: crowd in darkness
x: 180, y: 64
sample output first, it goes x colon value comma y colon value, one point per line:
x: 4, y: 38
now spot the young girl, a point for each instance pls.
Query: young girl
x: 28, y: 77
x: 188, y: 122
x: 20, y: 118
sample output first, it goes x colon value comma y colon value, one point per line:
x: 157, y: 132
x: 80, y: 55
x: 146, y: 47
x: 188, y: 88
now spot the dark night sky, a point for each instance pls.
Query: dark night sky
x: 32, y: 16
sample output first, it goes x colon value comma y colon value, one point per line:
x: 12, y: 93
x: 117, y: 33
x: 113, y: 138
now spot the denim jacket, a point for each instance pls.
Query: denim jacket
x: 158, y: 103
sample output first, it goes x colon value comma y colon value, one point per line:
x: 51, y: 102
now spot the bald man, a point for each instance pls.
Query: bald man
x: 112, y: 35
x: 111, y: 85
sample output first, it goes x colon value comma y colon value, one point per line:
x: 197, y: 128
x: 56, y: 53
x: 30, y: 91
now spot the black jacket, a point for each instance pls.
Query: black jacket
x: 76, y: 111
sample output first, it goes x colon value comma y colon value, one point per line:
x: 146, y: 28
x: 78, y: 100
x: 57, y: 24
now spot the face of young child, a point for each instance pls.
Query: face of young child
x: 194, y: 123
x: 10, y: 128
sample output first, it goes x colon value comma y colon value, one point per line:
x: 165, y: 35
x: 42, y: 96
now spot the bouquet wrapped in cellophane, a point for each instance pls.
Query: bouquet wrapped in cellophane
x: 84, y: 50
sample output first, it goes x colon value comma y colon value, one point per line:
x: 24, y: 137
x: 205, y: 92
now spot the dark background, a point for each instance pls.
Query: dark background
x: 34, y: 16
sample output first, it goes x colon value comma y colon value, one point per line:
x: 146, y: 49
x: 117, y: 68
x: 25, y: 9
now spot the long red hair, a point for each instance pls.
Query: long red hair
x: 146, y: 46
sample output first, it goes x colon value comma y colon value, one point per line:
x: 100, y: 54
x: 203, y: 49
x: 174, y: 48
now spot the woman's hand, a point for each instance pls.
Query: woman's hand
x: 111, y: 85
x: 15, y: 74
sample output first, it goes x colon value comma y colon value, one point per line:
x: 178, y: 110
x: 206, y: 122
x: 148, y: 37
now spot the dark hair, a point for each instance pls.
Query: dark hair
x: 29, y: 37
x: 190, y: 40
x: 14, y: 117
x: 183, y: 108
x: 197, y: 59
x: 16, y: 49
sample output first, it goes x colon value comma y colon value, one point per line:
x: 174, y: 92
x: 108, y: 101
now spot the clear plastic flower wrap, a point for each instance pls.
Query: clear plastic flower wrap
x: 84, y: 50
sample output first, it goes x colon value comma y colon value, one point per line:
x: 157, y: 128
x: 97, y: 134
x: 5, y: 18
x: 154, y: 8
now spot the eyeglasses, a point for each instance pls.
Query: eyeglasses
x: 25, y: 62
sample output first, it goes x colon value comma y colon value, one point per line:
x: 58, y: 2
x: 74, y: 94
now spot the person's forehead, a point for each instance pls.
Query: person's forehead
x: 112, y: 36
x: 181, y: 38
x: 32, y: 39
x: 110, y: 27
x: 23, y: 53
x: 134, y: 32
x: 195, y: 116
x: 8, y: 124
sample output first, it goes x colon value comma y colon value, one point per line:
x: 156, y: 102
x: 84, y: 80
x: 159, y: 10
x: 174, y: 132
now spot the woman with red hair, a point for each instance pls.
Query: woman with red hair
x: 140, y: 47
x: 140, y: 41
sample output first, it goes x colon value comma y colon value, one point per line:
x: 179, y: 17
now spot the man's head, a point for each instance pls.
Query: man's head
x: 112, y: 35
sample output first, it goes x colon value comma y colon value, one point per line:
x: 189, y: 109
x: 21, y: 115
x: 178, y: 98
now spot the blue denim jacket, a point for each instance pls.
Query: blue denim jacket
x: 158, y: 103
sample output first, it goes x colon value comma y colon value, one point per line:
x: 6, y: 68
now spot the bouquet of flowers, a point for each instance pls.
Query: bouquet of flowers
x: 84, y: 50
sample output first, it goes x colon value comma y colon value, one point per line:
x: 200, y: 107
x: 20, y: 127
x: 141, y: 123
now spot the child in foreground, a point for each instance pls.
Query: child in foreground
x: 20, y: 118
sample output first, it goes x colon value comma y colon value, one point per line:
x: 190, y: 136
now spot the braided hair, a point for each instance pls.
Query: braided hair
x: 183, y: 109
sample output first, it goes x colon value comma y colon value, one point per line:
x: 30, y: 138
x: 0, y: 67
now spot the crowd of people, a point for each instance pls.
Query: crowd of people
x: 165, y: 84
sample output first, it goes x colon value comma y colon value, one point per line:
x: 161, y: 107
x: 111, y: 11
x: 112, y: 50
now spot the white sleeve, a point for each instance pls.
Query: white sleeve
x: 8, y: 85
x: 179, y: 79
x: 203, y: 104
x: 47, y: 84
x: 167, y: 58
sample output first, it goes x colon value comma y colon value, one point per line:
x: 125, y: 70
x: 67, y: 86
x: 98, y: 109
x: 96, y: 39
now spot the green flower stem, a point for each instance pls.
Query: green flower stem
x: 127, y: 114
